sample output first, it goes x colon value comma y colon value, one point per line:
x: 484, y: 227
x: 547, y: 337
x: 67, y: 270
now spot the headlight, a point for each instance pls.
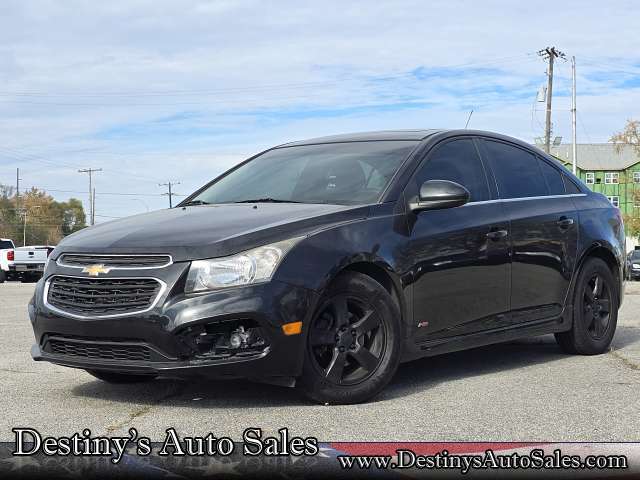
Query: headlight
x: 636, y: 265
x: 253, y: 266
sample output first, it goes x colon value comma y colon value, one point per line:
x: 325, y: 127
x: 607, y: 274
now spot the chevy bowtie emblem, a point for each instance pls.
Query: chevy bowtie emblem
x: 95, y: 270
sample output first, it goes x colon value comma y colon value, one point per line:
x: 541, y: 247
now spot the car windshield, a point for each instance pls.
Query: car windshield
x: 338, y: 173
x: 635, y: 255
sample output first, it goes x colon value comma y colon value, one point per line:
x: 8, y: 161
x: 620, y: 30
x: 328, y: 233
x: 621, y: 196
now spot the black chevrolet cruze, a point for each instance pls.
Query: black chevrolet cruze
x: 326, y: 263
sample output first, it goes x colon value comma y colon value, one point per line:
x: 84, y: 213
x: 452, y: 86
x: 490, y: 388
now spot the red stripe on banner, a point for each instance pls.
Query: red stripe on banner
x: 425, y: 448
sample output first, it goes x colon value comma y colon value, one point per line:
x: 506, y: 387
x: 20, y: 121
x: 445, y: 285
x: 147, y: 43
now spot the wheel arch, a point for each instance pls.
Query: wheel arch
x: 606, y: 254
x: 382, y: 275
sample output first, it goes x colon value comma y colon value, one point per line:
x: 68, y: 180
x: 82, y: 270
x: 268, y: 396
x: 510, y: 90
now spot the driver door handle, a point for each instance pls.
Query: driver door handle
x: 497, y: 234
x: 564, y: 222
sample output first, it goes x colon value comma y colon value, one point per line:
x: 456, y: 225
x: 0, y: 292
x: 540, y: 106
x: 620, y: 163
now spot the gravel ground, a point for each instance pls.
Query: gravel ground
x: 524, y: 390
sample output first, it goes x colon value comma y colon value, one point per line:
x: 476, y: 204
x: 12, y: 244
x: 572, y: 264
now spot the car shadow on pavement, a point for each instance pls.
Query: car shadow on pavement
x: 412, y: 377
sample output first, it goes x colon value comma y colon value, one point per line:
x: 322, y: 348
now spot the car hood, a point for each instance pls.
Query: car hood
x: 205, y: 231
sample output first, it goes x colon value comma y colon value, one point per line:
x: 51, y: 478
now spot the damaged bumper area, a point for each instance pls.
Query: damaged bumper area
x: 232, y: 333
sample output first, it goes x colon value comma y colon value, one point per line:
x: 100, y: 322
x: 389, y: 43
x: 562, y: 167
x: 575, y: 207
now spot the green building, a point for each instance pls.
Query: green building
x: 613, y: 173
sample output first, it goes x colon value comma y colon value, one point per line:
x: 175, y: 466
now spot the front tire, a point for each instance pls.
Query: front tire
x: 595, y: 311
x: 119, y: 378
x: 353, y: 344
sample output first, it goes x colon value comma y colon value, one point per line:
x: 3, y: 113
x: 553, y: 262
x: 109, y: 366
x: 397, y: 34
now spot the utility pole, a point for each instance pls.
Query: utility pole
x: 170, y: 192
x: 93, y: 206
x: 91, y: 192
x: 18, y: 188
x: 23, y: 212
x: 574, y: 146
x: 549, y: 54
x: 18, y: 183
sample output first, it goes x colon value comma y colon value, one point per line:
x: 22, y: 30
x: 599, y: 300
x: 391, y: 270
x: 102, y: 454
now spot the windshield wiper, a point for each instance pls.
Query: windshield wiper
x: 266, y: 200
x: 195, y: 202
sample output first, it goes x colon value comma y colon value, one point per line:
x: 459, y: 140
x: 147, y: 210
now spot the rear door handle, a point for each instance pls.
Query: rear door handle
x: 497, y: 234
x: 564, y: 222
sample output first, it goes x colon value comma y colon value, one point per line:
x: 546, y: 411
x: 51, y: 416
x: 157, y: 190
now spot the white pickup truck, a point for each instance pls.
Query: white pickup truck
x: 29, y: 262
x: 6, y: 258
x: 23, y: 263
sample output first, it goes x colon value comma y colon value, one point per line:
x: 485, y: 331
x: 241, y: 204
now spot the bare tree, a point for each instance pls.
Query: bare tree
x: 630, y: 135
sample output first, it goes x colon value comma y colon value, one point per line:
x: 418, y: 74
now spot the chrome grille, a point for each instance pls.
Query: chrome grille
x: 96, y: 297
x: 114, y: 261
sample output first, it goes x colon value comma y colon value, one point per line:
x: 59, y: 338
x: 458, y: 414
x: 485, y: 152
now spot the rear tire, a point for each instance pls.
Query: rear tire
x: 3, y: 276
x: 119, y: 378
x: 595, y: 311
x: 353, y: 344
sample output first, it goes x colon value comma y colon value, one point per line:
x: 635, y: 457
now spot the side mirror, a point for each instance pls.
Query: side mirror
x: 437, y: 194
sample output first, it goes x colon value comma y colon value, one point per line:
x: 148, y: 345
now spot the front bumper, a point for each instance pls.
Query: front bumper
x: 160, y: 333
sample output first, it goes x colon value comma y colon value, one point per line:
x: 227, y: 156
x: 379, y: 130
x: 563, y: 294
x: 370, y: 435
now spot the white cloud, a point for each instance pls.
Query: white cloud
x: 240, y: 76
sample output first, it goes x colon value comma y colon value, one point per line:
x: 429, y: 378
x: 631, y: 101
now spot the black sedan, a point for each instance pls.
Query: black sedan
x: 326, y: 263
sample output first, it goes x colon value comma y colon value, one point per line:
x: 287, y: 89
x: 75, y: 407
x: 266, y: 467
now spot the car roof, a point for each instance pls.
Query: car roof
x: 411, y: 135
x: 415, y: 135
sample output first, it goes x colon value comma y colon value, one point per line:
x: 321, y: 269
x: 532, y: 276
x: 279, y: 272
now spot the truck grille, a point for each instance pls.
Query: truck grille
x: 105, y: 351
x: 115, y: 261
x: 102, y: 296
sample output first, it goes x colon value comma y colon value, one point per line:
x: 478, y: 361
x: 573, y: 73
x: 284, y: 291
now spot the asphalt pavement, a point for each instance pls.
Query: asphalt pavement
x: 525, y: 390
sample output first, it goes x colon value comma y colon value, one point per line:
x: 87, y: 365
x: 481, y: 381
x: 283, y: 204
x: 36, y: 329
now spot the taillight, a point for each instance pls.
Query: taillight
x: 10, y: 255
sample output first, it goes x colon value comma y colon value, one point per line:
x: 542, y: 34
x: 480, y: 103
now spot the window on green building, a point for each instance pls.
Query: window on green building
x: 615, y: 200
x: 636, y: 177
x: 611, y: 177
x: 590, y: 178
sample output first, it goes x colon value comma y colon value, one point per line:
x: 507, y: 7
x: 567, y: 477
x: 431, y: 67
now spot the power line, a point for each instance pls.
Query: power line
x: 259, y: 88
x: 126, y: 194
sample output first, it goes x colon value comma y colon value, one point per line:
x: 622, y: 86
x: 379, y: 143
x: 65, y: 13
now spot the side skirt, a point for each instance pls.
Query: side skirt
x: 478, y: 339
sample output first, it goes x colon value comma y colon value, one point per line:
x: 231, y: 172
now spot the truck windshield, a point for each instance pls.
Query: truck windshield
x: 349, y: 173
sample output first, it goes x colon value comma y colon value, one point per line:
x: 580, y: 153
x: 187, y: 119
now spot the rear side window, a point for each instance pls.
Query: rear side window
x: 517, y: 171
x: 553, y: 177
x: 457, y: 161
x: 570, y: 186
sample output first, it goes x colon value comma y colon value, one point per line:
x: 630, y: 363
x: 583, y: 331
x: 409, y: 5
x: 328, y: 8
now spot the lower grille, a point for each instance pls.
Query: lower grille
x: 101, y: 351
x: 95, y: 297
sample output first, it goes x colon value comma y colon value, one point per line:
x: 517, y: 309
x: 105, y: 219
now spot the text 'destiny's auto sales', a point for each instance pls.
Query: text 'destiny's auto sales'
x: 30, y: 442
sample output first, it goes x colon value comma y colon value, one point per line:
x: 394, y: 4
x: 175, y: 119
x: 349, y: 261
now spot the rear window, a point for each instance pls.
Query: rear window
x: 570, y: 186
x: 5, y: 244
x: 517, y: 171
x: 553, y: 177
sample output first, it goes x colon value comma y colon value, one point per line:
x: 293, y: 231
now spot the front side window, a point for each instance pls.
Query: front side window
x: 456, y: 161
x: 517, y: 171
x: 349, y: 173
x: 615, y: 200
x: 590, y: 178
x: 611, y: 177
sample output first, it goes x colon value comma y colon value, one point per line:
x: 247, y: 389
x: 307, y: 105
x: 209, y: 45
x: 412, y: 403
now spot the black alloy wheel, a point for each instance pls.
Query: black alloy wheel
x: 597, y: 306
x: 353, y: 343
x: 347, y: 340
x: 595, y: 310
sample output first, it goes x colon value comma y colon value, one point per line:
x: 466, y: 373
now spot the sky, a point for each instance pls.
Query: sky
x: 157, y: 91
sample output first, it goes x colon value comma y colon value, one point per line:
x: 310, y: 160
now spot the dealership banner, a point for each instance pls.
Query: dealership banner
x: 32, y: 455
